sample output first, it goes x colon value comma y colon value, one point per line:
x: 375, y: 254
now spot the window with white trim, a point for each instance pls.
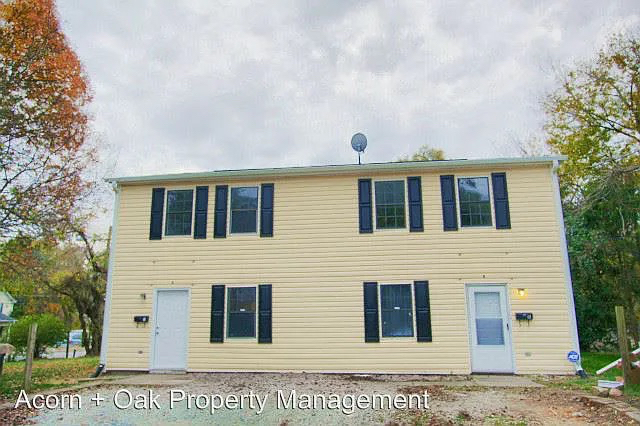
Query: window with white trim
x: 390, y: 204
x: 475, y: 201
x: 241, y: 311
x: 396, y: 310
x: 244, y: 209
x: 179, y: 213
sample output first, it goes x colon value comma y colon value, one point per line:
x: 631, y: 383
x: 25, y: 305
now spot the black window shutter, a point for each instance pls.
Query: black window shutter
x: 501, y: 200
x: 157, y: 209
x: 423, y: 311
x: 264, y: 313
x: 371, y: 329
x: 202, y: 202
x: 220, y: 219
x: 217, y: 314
x: 415, y: 204
x: 365, y: 206
x: 448, y: 192
x: 266, y: 210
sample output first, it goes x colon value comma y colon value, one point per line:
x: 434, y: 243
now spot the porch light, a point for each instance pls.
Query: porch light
x: 522, y: 292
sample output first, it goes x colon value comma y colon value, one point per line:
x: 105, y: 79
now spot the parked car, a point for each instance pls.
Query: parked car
x: 75, y: 337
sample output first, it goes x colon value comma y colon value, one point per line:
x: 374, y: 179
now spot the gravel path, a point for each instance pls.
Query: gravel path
x: 453, y: 400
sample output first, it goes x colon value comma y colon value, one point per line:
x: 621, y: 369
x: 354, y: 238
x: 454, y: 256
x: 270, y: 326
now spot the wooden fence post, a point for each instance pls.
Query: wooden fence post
x: 28, y: 366
x: 623, y: 344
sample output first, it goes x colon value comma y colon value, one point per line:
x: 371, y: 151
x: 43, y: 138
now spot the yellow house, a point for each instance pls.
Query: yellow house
x: 436, y: 267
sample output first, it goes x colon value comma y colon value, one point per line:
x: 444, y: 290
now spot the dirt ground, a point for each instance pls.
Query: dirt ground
x: 452, y: 400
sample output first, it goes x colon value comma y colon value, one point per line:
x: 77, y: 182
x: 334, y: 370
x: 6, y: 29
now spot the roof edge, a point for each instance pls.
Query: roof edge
x: 336, y: 169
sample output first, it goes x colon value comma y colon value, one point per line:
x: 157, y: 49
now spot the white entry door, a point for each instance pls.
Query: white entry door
x: 490, y: 329
x: 170, y: 329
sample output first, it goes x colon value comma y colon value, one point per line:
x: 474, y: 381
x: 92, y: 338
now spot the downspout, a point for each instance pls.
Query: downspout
x: 567, y: 268
x: 107, y: 302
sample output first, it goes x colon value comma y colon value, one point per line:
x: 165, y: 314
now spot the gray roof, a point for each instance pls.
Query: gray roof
x: 8, y: 296
x: 338, y: 169
x: 5, y: 318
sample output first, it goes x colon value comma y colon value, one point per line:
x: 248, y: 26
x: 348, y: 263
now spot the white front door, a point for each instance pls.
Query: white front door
x: 170, y: 329
x: 489, y: 328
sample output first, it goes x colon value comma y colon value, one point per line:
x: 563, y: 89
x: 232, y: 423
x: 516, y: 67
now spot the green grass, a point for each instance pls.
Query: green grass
x: 46, y: 374
x: 495, y: 420
x: 592, y: 362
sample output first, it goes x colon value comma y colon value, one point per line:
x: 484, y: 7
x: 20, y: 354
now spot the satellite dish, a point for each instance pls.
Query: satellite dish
x: 359, y: 143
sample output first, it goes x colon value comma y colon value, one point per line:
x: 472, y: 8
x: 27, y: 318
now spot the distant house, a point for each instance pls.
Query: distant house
x: 6, y: 308
x: 417, y: 267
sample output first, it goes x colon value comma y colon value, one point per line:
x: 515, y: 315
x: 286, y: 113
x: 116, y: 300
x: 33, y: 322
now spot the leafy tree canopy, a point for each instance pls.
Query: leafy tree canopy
x: 43, y: 122
x: 594, y: 117
x: 424, y: 153
x: 51, y: 330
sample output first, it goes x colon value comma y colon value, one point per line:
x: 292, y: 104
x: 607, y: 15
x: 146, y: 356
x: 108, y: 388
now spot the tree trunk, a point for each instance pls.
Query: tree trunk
x: 632, y: 321
x: 83, y: 325
x: 96, y: 314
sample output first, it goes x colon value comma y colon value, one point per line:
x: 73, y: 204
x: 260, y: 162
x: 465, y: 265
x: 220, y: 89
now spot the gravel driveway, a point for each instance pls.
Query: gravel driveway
x: 452, y: 400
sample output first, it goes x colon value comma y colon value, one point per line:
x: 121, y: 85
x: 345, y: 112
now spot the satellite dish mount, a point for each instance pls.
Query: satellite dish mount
x: 359, y: 143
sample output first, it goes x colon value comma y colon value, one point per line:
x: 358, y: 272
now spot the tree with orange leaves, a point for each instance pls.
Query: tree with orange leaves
x: 43, y: 122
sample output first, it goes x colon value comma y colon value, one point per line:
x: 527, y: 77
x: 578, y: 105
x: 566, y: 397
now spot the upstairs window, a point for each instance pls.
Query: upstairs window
x: 241, y: 312
x: 396, y: 310
x: 244, y: 209
x: 475, y: 204
x: 179, y: 212
x: 390, y: 209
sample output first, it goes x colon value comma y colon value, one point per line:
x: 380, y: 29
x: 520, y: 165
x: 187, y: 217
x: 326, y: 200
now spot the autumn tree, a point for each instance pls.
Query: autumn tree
x: 424, y: 153
x: 43, y: 122
x: 72, y: 272
x: 594, y: 119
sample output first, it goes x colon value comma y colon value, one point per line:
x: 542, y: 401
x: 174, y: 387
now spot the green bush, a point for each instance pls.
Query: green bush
x: 51, y: 330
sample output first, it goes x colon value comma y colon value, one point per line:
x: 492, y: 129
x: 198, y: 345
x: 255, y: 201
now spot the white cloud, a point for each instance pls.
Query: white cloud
x: 202, y: 85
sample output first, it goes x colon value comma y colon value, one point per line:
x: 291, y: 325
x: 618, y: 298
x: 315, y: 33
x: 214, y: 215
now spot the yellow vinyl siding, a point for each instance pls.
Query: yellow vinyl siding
x: 317, y: 262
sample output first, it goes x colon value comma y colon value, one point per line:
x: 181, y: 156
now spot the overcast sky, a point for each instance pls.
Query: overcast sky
x: 206, y: 85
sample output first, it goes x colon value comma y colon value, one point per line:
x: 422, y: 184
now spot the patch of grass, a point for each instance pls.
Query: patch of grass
x: 592, y: 362
x: 504, y: 421
x: 47, y: 373
x: 462, y: 417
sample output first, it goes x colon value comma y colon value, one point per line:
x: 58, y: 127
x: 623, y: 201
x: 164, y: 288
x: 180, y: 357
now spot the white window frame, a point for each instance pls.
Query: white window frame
x: 229, y: 216
x: 226, y: 313
x: 375, y: 209
x: 413, y: 312
x: 459, y: 212
x: 166, y: 206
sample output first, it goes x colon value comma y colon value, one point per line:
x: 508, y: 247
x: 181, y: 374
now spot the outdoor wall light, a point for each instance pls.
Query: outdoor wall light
x: 522, y: 292
x: 143, y: 296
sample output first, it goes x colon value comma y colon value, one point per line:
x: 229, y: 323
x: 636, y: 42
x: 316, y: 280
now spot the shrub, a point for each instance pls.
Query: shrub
x: 51, y: 330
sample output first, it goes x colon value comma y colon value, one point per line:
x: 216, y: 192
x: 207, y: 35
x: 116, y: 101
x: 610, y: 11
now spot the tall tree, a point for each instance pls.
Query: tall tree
x: 43, y: 122
x: 594, y: 119
x: 73, y: 272
x: 424, y: 153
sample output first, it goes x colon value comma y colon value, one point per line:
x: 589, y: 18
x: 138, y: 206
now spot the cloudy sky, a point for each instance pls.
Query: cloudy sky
x: 204, y: 85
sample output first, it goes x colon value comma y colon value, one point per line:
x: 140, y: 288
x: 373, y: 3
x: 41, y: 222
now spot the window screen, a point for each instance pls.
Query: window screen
x: 179, y: 208
x: 241, y: 312
x: 488, y: 318
x: 244, y: 209
x: 390, y: 204
x: 475, y: 205
x: 396, y: 310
